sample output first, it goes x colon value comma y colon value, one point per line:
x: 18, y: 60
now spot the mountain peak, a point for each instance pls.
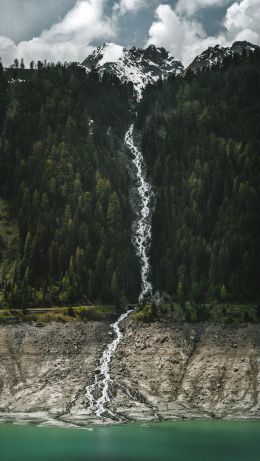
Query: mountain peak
x: 215, y: 55
x: 239, y: 46
x: 108, y: 52
x: 136, y: 65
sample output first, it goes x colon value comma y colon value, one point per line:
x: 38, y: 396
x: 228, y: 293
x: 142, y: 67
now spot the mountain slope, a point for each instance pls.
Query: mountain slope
x: 200, y: 141
x: 139, y: 66
x: 63, y: 173
x: 216, y: 55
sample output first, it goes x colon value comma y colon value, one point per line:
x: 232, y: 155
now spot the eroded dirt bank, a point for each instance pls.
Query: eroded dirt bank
x: 165, y: 372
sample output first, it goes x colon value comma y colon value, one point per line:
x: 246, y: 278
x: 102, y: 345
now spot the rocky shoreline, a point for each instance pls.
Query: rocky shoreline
x: 160, y: 372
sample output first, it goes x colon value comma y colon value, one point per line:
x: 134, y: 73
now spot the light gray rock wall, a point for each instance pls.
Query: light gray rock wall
x: 159, y: 371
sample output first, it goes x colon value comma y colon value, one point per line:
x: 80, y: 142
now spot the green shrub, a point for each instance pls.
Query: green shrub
x: 144, y: 315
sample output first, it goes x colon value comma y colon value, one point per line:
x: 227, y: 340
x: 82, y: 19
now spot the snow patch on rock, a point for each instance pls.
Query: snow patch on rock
x: 111, y: 53
x: 136, y: 65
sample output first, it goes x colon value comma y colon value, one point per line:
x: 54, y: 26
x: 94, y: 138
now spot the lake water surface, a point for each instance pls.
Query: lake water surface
x: 177, y: 441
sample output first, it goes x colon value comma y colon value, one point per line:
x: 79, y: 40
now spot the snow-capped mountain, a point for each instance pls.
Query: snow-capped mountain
x: 143, y: 66
x: 215, y: 55
x: 136, y: 65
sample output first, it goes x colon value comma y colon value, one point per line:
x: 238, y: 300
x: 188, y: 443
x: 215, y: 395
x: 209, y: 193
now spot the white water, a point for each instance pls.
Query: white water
x: 98, y: 393
x: 142, y: 232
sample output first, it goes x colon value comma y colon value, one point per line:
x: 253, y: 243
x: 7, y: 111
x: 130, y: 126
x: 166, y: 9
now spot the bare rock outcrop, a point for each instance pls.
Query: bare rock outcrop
x: 159, y: 371
x: 184, y: 371
x: 44, y: 371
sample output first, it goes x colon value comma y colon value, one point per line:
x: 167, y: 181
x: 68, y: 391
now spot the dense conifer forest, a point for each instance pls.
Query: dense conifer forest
x: 201, y: 143
x: 65, y: 180
x: 63, y: 172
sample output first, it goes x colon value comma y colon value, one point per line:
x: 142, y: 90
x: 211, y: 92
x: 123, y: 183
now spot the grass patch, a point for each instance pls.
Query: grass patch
x: 92, y: 312
x: 191, y: 312
x: 59, y: 314
x: 5, y: 314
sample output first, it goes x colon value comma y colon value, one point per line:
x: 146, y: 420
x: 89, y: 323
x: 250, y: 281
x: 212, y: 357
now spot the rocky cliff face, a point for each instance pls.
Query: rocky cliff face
x: 165, y: 372
x: 192, y: 370
x: 43, y: 371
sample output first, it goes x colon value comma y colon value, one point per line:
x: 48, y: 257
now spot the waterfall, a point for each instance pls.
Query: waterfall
x: 98, y: 394
x: 142, y: 232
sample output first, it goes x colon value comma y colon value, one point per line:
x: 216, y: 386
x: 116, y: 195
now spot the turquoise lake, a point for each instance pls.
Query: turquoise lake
x: 177, y: 441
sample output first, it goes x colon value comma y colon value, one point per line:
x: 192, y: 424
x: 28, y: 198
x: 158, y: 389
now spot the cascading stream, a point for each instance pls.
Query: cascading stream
x: 142, y: 231
x: 98, y: 394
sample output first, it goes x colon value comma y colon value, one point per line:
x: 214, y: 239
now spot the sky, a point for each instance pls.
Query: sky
x: 68, y: 30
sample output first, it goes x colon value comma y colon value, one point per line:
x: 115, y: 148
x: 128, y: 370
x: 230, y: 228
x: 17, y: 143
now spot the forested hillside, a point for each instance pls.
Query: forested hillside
x: 201, y: 143
x: 63, y: 174
x: 66, y: 212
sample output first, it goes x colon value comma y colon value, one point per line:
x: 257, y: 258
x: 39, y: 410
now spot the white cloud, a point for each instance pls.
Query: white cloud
x: 242, y: 21
x: 7, y: 49
x: 192, y: 6
x: 68, y: 40
x: 24, y: 19
x: 183, y: 36
x: 178, y: 31
x: 125, y: 6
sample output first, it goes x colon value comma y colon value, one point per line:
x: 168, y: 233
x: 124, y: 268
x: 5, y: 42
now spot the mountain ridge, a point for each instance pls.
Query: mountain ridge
x: 137, y: 65
x: 216, y: 55
x: 142, y: 66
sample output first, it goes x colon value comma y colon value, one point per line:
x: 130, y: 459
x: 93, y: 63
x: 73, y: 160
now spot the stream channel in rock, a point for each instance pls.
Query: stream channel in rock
x: 99, y: 392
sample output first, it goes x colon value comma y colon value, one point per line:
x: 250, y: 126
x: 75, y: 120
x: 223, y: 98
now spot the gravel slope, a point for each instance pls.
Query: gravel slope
x: 165, y: 372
